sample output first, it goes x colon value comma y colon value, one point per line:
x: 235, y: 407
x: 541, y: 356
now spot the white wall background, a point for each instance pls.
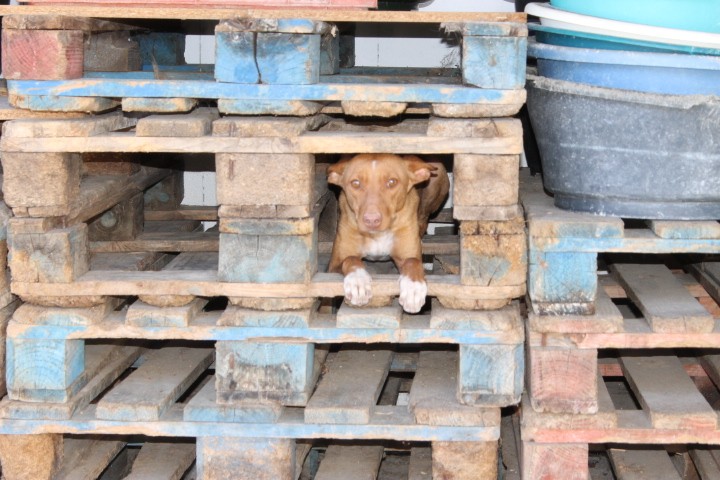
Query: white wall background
x: 407, y: 46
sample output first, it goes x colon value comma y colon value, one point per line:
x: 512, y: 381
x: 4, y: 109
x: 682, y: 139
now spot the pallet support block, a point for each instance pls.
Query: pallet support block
x: 546, y: 461
x: 124, y: 221
x: 44, y: 370
x: 563, y: 380
x: 242, y: 179
x: 166, y: 194
x: 562, y: 283
x: 31, y: 457
x: 483, y: 181
x: 42, y: 54
x: 483, y: 44
x: 245, y: 458
x: 471, y: 460
x: 269, y: 251
x: 491, y: 374
x: 285, y: 52
x: 264, y: 372
x: 493, y: 253
x: 41, y: 179
x: 57, y: 256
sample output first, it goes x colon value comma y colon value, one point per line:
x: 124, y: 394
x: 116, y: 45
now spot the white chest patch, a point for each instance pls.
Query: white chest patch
x: 379, y: 247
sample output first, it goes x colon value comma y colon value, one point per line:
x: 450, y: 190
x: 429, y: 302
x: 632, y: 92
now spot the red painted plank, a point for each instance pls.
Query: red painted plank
x: 42, y: 54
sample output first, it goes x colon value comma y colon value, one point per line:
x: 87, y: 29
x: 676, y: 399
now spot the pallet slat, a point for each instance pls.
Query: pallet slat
x: 350, y: 462
x: 162, y: 461
x: 642, y: 464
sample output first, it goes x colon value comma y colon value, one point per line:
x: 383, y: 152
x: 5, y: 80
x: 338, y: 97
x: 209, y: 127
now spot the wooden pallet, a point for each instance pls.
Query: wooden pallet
x: 646, y: 398
x: 280, y: 200
x: 148, y: 72
x: 368, y: 395
x: 48, y: 346
x: 563, y: 249
x: 657, y: 309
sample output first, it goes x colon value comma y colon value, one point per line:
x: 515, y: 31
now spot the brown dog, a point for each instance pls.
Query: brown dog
x: 385, y: 204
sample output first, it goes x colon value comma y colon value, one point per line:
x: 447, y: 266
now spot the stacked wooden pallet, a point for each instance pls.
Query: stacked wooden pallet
x: 138, y: 322
x: 624, y: 358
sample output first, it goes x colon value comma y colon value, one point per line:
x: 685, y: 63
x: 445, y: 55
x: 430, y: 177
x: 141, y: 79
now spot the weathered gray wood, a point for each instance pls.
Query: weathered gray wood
x: 195, y: 124
x: 152, y: 388
x: 82, y: 127
x: 707, y: 462
x: 420, y: 467
x: 124, y: 221
x: 112, y: 52
x: 665, y: 302
x: 54, y: 180
x: 350, y: 462
x: 267, y: 126
x: 162, y: 461
x: 203, y: 406
x: 143, y: 315
x: 433, y: 395
x: 378, y: 317
x: 642, y: 464
x: 685, y: 230
x: 667, y: 394
x: 351, y: 387
x: 85, y: 459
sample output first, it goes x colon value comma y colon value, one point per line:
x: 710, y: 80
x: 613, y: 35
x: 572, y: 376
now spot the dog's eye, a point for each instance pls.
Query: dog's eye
x: 355, y: 183
x: 392, y: 182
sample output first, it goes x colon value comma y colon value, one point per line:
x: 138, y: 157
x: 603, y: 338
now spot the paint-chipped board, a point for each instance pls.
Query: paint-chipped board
x: 642, y: 464
x: 150, y: 390
x: 103, y: 365
x: 667, y: 305
x: 167, y: 461
x: 87, y: 458
x: 667, y: 394
x: 350, y: 462
x: 350, y: 389
x: 434, y: 394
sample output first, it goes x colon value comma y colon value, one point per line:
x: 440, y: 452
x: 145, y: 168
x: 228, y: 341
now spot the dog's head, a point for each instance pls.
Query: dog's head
x: 377, y: 185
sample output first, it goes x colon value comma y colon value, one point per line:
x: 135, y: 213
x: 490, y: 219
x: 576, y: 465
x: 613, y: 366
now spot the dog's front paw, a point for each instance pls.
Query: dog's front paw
x: 358, y: 288
x: 412, y: 294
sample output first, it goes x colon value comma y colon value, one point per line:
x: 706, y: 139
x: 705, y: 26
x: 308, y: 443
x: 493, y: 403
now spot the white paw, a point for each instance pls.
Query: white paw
x: 412, y: 294
x: 358, y: 288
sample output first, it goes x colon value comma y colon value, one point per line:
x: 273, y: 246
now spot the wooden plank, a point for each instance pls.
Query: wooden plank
x: 685, y: 230
x: 667, y: 394
x: 707, y: 462
x: 143, y: 315
x: 162, y: 461
x: 350, y: 462
x: 434, y: 394
x: 364, y: 317
x: 350, y: 388
x: 152, y: 388
x: 87, y: 458
x: 184, y: 212
x: 203, y: 13
x: 204, y: 407
x: 81, y: 127
x: 665, y: 302
x: 311, y: 142
x: 205, y: 283
x: 606, y: 319
x: 642, y: 464
x: 420, y: 467
x: 161, y: 242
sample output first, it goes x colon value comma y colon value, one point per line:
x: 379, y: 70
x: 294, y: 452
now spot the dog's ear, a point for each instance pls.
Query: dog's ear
x: 420, y: 171
x: 335, y: 171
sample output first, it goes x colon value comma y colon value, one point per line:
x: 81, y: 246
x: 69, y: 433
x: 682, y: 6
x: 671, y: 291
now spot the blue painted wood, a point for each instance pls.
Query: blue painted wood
x: 203, y: 407
x: 235, y: 57
x: 276, y: 372
x: 214, y: 90
x: 44, y: 370
x: 635, y: 241
x: 494, y: 62
x: 247, y: 459
x: 61, y: 103
x: 161, y: 48
x: 267, y: 258
x: 491, y: 375
x: 288, y: 59
x: 323, y: 330
x: 268, y: 107
x: 493, y: 29
x: 568, y: 280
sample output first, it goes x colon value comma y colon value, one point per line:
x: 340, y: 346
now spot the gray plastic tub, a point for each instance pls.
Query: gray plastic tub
x: 628, y: 154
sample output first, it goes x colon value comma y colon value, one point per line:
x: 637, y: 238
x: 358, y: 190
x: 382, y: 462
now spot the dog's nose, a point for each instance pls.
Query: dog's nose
x: 372, y: 220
